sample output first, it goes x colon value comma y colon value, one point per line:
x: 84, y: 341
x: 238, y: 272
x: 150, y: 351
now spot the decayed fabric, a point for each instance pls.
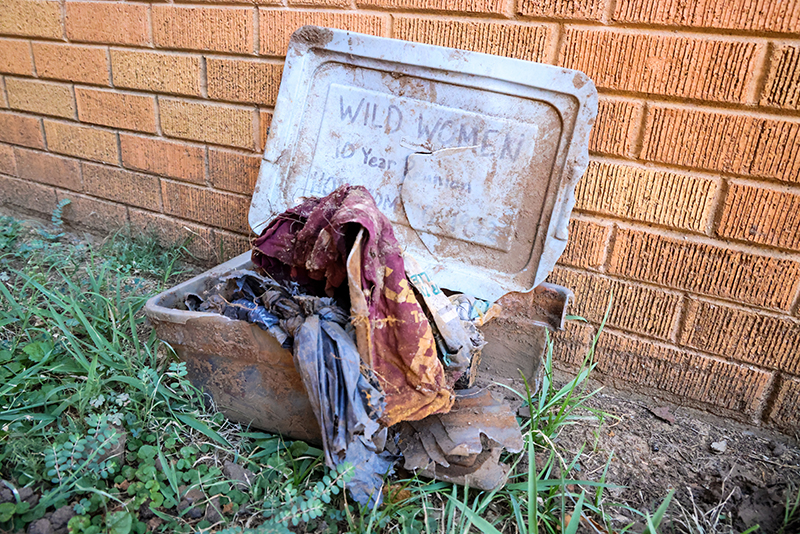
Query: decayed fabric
x: 310, y: 244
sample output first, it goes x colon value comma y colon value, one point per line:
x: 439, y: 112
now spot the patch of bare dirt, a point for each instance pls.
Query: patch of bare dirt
x: 723, y: 472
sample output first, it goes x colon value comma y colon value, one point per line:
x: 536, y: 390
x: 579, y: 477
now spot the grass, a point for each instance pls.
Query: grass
x: 97, y: 417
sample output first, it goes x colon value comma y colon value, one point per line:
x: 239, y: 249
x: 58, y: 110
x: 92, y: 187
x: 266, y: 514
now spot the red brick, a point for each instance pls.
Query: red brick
x: 703, y: 68
x: 763, y: 216
x: 241, y: 80
x: 681, y: 374
x: 156, y: 71
x: 229, y: 245
x: 659, y: 197
x: 108, y: 23
x: 563, y: 9
x: 705, y: 269
x: 198, y: 240
x: 85, y: 64
x: 530, y: 42
x: 21, y: 130
x: 586, y: 246
x: 204, y: 28
x: 210, y: 123
x: 469, y: 6
x: 233, y: 171
x: 133, y: 188
x: 617, y: 127
x: 46, y: 98
x: 223, y: 210
x: 264, y: 122
x: 784, y: 412
x: 48, y: 169
x: 15, y: 57
x: 87, y: 212
x: 118, y: 110
x: 27, y: 195
x: 727, y: 142
x: 744, y: 335
x: 31, y: 18
x: 755, y: 15
x: 634, y: 308
x: 81, y: 141
x: 276, y: 26
x: 167, y: 158
x: 783, y: 81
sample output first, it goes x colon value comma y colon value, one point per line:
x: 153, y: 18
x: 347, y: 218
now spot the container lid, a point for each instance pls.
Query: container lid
x: 474, y: 158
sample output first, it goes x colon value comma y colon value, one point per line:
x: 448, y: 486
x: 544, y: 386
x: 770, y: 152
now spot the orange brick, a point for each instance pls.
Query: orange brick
x: 572, y: 345
x: 15, y: 57
x: 7, y: 163
x: 241, y: 80
x: 217, y: 124
x: 763, y: 216
x: 264, y: 122
x: 156, y: 71
x: 118, y: 110
x: 634, y: 308
x: 758, y: 15
x: 27, y: 195
x: 530, y: 42
x: 703, y: 68
x: 469, y: 6
x: 46, y: 98
x: 783, y: 81
x: 783, y: 412
x: 617, y: 127
x: 119, y: 185
x: 223, y: 210
x: 232, y: 171
x: 682, y: 374
x: 167, y: 158
x: 276, y: 26
x: 21, y: 130
x: 85, y: 64
x: 108, y: 23
x: 87, y: 212
x: 31, y: 18
x: 228, y: 245
x: 705, y: 269
x: 563, y: 9
x: 638, y: 194
x: 747, y: 336
x: 309, y: 3
x: 199, y: 240
x: 225, y: 29
x: 587, y: 244
x: 81, y: 141
x: 48, y: 169
x: 727, y: 142
x: 3, y: 101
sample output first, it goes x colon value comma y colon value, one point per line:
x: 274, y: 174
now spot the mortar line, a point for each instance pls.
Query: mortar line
x: 679, y: 321
x: 761, y: 74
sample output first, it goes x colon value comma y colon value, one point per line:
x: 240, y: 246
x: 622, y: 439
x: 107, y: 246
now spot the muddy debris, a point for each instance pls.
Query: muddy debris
x: 388, y: 360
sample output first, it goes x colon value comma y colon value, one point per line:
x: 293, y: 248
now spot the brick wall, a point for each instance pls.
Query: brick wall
x: 154, y: 113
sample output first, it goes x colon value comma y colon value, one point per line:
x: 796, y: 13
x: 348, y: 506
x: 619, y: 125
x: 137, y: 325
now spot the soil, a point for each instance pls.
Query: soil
x: 723, y: 471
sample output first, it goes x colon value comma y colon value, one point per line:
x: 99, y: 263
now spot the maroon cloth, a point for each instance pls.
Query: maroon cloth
x: 310, y: 244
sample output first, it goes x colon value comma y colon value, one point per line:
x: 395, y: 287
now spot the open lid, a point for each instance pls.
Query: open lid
x: 474, y: 158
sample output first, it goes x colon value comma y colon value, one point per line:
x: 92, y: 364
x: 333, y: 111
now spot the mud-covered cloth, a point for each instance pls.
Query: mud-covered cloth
x: 310, y: 244
x: 345, y: 403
